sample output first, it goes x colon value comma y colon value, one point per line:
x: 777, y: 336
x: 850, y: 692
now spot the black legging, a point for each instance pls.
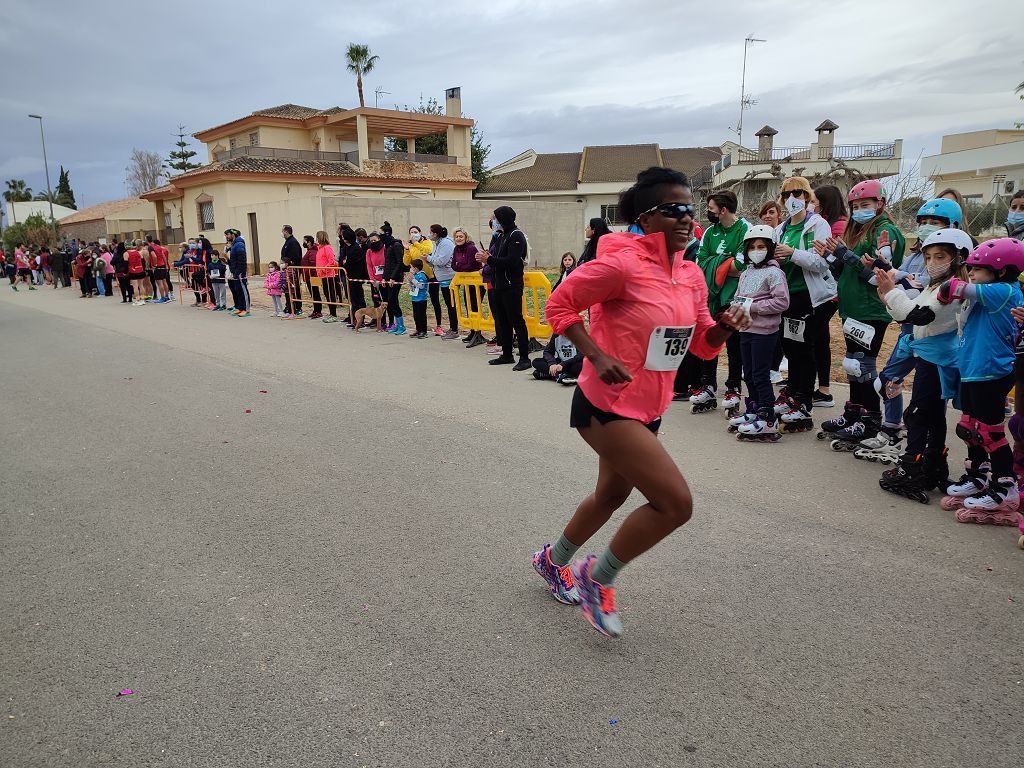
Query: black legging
x: 823, y: 342
x: 434, y: 291
x: 315, y: 293
x: 925, y: 417
x: 392, y: 291
x: 125, y: 284
x: 800, y: 353
x: 863, y: 392
x: 507, y: 307
x: 293, y: 293
x: 356, y: 298
x: 331, y: 294
x: 449, y: 302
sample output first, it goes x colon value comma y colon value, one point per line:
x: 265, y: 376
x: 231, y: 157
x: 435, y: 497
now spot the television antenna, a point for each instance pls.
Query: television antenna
x: 746, y: 102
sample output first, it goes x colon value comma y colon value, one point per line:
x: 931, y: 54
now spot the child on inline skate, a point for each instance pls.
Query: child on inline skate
x: 812, y: 290
x: 933, y: 349
x: 719, y: 259
x: 987, y: 349
x: 871, y: 240
x: 887, y: 445
x: 762, y: 288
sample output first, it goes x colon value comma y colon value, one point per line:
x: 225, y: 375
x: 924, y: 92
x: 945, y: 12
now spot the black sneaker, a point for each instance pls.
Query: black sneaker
x: 820, y: 400
x: 501, y: 360
x: 524, y: 364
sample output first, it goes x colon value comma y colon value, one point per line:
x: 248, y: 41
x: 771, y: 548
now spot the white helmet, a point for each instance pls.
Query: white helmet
x: 762, y: 231
x: 958, y: 238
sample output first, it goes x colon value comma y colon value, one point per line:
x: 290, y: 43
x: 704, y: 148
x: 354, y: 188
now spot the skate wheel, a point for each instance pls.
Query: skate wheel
x: 1020, y: 541
x: 921, y: 497
x: 821, y: 436
x: 950, y: 503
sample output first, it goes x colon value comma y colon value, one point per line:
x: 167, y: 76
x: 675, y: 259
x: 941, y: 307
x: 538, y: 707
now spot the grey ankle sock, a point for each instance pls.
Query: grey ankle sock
x: 606, y: 569
x: 562, y: 551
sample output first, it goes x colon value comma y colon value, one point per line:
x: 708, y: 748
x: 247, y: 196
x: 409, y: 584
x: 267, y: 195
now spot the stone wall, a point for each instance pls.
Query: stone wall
x: 551, y: 228
x: 403, y: 169
x: 87, y: 231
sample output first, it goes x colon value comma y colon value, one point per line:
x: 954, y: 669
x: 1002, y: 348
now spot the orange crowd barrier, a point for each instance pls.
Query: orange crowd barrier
x: 320, y: 288
x: 193, y: 278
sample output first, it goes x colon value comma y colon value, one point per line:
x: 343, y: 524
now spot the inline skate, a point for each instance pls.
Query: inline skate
x: 744, y: 418
x: 782, y: 402
x: 796, y: 419
x: 762, y: 430
x: 731, y: 403
x: 972, y: 481
x: 995, y: 506
x: 703, y: 400
x: 936, y: 468
x: 851, y: 412
x: 848, y: 439
x: 886, y: 446
x: 909, y: 478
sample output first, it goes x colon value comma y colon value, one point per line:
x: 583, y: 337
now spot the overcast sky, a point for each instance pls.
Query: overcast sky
x: 554, y: 76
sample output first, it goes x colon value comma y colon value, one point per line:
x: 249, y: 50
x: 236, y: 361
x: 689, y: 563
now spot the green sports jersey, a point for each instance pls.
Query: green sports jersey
x: 718, y: 245
x: 858, y: 298
x: 793, y: 237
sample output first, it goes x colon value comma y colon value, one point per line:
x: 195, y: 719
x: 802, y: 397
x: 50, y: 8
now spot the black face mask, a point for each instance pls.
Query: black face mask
x: 714, y: 218
x: 376, y: 245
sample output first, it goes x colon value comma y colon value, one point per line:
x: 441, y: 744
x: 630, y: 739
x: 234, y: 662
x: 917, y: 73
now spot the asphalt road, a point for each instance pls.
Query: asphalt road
x: 341, y: 577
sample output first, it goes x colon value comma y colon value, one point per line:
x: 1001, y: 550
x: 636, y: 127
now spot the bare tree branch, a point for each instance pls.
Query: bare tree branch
x: 144, y: 171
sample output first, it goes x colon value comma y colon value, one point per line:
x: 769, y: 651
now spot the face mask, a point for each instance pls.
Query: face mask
x: 863, y: 216
x: 756, y: 257
x: 494, y: 225
x: 924, y: 230
x: 714, y: 218
x: 415, y: 237
x: 376, y: 245
x: 1015, y: 218
x: 937, y: 270
x: 794, y: 205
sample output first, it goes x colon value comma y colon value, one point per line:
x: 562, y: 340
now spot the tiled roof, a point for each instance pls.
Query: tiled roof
x: 246, y: 164
x: 617, y: 162
x: 291, y: 111
x: 102, y: 210
x: 548, y: 174
x: 689, y: 160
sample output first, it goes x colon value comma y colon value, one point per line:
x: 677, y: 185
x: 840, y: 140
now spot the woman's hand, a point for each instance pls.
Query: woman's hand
x: 886, y: 282
x: 1018, y: 314
x: 832, y: 243
x: 820, y: 247
x: 783, y: 251
x: 610, y: 370
x: 736, y: 318
x: 482, y: 256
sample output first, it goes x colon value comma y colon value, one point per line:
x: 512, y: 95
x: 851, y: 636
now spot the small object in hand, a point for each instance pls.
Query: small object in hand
x: 125, y: 692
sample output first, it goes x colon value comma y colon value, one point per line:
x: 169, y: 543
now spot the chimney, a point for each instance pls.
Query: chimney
x: 826, y: 139
x: 765, y: 140
x: 453, y: 102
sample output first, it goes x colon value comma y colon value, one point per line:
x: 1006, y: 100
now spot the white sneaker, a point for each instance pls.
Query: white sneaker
x: 775, y: 377
x: 784, y: 366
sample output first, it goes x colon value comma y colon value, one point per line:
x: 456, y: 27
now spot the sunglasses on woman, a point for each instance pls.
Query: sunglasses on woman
x: 674, y: 210
x: 797, y: 192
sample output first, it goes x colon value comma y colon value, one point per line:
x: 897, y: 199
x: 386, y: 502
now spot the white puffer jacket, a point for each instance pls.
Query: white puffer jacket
x: 920, y: 308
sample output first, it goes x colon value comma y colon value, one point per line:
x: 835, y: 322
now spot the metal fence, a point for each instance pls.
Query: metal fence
x: 882, y: 151
x: 413, y: 157
x: 288, y: 154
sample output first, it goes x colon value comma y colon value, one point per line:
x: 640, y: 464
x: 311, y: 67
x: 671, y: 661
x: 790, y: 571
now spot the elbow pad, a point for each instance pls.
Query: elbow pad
x: 920, y: 316
x: 951, y: 290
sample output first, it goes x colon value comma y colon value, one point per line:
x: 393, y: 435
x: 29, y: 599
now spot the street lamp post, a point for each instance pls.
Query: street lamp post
x: 46, y: 167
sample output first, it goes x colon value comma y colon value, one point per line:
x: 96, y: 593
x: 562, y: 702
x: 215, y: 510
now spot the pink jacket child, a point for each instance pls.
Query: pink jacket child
x: 274, y: 283
x: 648, y: 315
x: 766, y: 287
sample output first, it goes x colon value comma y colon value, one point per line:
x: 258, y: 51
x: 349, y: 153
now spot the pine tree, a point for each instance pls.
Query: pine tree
x: 181, y: 159
x: 65, y: 195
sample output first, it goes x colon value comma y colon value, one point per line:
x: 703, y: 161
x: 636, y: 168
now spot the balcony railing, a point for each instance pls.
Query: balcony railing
x: 287, y: 154
x: 413, y: 157
x: 882, y: 151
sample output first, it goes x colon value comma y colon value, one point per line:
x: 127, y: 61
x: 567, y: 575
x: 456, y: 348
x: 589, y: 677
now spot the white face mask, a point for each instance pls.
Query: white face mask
x: 937, y: 270
x: 756, y: 257
x: 794, y: 205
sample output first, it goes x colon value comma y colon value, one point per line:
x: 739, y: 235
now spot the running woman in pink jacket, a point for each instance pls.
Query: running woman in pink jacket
x: 648, y: 307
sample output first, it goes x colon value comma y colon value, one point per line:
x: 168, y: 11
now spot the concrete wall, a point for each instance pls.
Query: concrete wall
x: 552, y: 228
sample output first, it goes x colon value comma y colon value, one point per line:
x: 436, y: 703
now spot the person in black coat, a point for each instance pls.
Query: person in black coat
x: 507, y: 264
x: 394, y: 276
x: 353, y: 259
x: 291, y: 256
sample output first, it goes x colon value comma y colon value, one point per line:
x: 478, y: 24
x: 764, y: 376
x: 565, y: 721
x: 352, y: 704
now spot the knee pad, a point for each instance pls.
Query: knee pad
x: 852, y: 367
x: 992, y: 436
x: 967, y: 430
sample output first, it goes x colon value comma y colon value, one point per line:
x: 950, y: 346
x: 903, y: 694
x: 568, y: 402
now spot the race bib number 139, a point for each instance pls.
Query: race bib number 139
x: 667, y: 347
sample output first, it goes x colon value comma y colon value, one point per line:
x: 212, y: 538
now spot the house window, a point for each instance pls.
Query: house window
x: 610, y: 213
x: 205, y: 211
x: 254, y: 139
x: 167, y: 219
x: 232, y: 143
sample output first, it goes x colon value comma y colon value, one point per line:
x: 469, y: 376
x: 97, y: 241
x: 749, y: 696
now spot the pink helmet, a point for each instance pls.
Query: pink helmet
x: 998, y: 254
x: 872, y: 188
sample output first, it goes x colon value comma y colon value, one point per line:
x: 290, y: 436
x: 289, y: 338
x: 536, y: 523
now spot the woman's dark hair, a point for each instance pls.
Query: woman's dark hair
x: 360, y: 232
x: 274, y: 265
x: 561, y: 262
x: 771, y: 250
x: 644, y: 195
x: 831, y: 204
x: 600, y: 228
x: 1017, y: 195
x: 348, y: 237
x: 438, y: 230
x: 413, y: 226
x: 307, y: 240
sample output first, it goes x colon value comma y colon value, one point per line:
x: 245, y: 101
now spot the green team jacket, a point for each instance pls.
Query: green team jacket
x: 716, y: 247
x: 857, y: 298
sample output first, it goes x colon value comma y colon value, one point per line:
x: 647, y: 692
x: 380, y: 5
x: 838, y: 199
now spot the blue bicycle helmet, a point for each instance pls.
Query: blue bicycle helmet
x: 941, y: 208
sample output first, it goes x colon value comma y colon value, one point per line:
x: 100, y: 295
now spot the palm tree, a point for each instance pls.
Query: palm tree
x: 359, y: 63
x: 44, y: 197
x: 17, y: 192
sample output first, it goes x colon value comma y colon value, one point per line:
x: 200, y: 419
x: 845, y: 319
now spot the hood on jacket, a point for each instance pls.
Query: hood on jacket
x: 506, y: 217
